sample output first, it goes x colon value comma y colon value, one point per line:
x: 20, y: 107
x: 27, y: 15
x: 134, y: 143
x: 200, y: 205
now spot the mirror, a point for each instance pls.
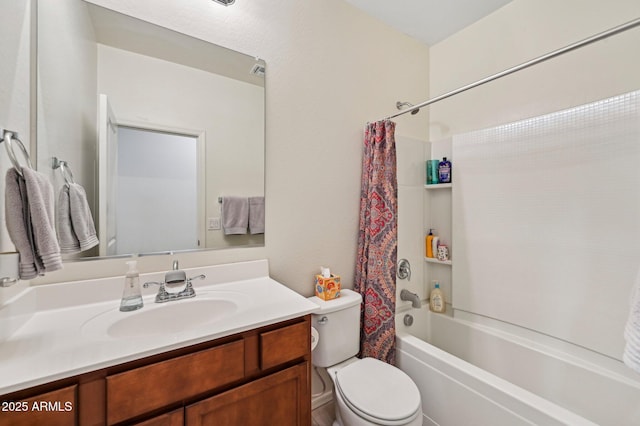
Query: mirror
x: 155, y: 125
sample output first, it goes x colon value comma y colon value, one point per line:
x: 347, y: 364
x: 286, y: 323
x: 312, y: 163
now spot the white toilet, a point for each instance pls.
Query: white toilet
x: 367, y: 391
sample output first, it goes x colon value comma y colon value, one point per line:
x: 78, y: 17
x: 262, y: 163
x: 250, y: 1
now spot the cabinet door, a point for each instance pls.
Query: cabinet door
x: 174, y: 418
x: 281, y: 399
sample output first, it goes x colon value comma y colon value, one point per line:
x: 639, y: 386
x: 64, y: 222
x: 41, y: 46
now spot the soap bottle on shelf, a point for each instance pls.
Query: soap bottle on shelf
x: 434, y: 246
x: 444, y: 171
x: 429, y: 244
x: 436, y: 299
x: 432, y: 171
x: 131, y: 294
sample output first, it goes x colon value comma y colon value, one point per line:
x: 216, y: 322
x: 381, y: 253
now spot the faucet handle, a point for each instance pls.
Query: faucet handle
x: 197, y: 277
x: 150, y: 283
x: 404, y: 269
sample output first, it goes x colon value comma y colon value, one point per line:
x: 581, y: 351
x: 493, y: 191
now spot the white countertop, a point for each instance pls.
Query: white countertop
x: 44, y: 334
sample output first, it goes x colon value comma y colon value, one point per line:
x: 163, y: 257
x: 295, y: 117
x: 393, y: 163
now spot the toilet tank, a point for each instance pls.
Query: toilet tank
x: 338, y: 325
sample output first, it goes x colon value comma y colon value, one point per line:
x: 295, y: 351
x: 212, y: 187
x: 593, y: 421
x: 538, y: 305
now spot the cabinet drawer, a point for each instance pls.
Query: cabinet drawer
x: 284, y: 344
x: 52, y: 409
x: 154, y: 386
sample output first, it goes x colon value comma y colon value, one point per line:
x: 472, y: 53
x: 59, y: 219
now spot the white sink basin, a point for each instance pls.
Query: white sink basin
x: 165, y: 318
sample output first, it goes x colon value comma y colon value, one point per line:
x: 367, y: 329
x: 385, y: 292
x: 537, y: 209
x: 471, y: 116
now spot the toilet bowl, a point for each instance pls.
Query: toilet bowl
x: 370, y: 392
x: 367, y: 391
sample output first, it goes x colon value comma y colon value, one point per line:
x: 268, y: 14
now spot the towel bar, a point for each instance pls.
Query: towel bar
x: 64, y: 169
x: 8, y: 137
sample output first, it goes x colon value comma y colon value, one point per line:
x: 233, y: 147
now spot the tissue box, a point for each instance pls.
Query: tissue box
x: 328, y: 288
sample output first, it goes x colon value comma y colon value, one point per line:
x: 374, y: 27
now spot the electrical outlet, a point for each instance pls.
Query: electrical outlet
x: 214, y: 224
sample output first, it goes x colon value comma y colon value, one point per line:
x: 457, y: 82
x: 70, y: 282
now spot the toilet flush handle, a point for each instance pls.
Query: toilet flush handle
x: 323, y: 320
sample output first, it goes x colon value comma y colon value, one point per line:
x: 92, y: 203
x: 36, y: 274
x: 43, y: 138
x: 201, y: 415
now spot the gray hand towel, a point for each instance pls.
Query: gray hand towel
x: 67, y: 238
x: 235, y: 215
x: 19, y: 225
x: 76, y: 229
x: 256, y: 215
x: 40, y: 198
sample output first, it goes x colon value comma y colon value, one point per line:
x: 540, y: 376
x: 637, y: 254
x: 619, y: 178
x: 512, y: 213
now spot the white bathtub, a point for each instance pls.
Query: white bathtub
x: 473, y: 374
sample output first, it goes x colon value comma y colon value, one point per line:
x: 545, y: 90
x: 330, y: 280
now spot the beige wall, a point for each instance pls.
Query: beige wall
x: 330, y: 69
x: 521, y: 31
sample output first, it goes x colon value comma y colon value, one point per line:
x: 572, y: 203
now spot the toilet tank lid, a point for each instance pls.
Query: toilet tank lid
x: 347, y: 299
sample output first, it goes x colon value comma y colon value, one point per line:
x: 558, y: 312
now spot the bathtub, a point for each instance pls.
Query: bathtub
x: 471, y: 373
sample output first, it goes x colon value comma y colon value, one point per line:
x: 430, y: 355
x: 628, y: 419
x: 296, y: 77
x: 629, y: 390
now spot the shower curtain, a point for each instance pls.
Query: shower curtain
x: 375, y: 276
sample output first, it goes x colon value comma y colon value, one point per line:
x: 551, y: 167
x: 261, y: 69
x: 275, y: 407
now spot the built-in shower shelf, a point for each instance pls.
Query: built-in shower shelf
x: 438, y: 186
x: 434, y: 260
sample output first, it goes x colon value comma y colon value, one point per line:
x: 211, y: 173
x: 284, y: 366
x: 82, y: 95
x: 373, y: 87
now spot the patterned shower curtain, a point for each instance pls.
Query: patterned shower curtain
x: 375, y: 276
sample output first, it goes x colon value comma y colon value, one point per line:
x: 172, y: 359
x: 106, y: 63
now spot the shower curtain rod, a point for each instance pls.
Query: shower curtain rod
x: 600, y: 36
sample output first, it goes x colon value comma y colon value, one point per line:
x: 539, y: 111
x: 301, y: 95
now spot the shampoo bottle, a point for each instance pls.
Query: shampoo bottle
x: 429, y: 244
x: 444, y: 171
x: 432, y: 171
x: 436, y: 299
x: 131, y: 294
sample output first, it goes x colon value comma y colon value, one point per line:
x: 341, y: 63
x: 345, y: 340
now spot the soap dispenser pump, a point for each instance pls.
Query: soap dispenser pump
x: 131, y: 294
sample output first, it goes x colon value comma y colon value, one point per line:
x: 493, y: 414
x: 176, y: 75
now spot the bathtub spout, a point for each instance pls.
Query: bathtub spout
x: 411, y: 297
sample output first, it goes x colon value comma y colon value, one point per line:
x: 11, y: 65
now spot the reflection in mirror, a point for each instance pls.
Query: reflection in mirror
x: 15, y: 51
x: 142, y: 204
x: 155, y: 125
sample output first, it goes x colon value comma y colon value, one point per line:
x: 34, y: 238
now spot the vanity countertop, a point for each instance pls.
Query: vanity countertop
x: 56, y: 331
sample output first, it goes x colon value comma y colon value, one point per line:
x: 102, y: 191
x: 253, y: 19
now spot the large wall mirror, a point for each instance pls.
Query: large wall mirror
x: 157, y: 127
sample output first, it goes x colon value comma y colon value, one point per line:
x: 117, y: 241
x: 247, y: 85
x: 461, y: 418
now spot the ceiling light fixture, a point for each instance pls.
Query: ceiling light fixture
x: 225, y: 2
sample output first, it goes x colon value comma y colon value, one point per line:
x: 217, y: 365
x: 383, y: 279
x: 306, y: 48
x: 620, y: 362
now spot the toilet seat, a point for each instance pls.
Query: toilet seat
x: 378, y: 392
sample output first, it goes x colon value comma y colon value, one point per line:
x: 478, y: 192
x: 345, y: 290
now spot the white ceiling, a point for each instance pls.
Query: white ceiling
x: 429, y: 21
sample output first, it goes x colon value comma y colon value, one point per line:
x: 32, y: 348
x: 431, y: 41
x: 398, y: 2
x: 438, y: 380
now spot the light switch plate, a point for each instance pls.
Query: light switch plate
x: 214, y: 224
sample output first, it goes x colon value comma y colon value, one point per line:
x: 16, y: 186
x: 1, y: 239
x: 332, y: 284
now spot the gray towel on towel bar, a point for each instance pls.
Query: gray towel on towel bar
x: 41, y: 204
x: 235, y: 215
x: 18, y: 225
x: 256, y: 215
x: 76, y: 229
x: 29, y: 212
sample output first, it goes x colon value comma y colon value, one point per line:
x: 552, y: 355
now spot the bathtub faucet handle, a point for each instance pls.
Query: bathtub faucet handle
x: 404, y: 269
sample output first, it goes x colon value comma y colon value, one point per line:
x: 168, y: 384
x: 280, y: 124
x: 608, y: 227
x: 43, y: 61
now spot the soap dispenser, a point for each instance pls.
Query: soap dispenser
x: 131, y: 295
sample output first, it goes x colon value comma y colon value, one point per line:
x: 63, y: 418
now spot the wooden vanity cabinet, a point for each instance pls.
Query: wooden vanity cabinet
x: 257, y: 377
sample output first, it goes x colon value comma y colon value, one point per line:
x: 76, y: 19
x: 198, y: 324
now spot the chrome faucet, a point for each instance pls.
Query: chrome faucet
x: 173, y: 279
x: 410, y: 297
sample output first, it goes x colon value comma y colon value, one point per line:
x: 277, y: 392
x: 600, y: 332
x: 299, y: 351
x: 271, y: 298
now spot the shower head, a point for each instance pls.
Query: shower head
x: 400, y: 105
